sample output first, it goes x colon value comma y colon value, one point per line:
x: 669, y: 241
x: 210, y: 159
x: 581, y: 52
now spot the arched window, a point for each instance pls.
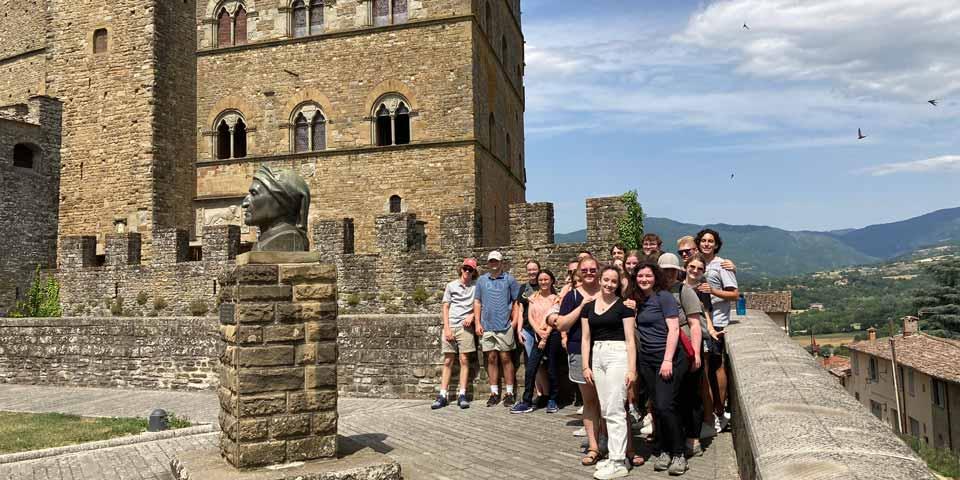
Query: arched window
x: 309, y: 129
x: 100, y: 40
x: 387, y: 12
x: 231, y: 139
x: 307, y: 17
x: 231, y: 27
x: 391, y: 118
x: 396, y: 204
x: 492, y: 126
x: 224, y: 28
x: 240, y: 26
x: 24, y: 156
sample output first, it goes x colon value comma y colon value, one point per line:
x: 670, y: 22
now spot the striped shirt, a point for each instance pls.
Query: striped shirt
x: 496, y: 297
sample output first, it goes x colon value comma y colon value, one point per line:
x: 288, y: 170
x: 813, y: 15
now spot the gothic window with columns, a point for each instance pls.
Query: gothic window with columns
x: 231, y: 136
x: 391, y: 121
x: 307, y: 17
x: 231, y: 24
x: 309, y: 129
x: 389, y: 12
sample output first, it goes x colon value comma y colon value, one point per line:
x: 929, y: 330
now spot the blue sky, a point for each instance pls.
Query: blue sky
x: 671, y: 97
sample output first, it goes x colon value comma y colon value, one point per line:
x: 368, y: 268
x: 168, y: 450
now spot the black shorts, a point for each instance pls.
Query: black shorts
x: 716, y: 347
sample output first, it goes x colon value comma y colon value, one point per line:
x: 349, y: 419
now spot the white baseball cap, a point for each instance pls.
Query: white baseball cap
x: 495, y: 255
x: 669, y: 260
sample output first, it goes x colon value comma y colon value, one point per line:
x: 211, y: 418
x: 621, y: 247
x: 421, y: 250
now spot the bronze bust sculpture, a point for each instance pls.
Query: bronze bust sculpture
x: 278, y: 203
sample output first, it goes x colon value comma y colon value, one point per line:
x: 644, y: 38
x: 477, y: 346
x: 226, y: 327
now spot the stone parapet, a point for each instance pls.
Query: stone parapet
x: 278, y: 374
x: 531, y: 224
x: 123, y: 249
x: 793, y: 420
x: 603, y: 216
x: 78, y: 252
x: 221, y: 243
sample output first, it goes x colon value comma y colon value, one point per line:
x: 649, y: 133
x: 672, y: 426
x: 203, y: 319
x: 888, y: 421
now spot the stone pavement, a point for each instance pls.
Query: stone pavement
x: 448, y: 444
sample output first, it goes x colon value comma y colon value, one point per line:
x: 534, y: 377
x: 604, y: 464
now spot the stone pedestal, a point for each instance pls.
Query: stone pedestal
x: 278, y: 376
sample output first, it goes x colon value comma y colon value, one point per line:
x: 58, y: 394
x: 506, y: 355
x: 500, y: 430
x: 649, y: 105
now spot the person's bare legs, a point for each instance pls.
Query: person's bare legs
x: 493, y: 369
x: 464, y: 371
x: 509, y: 373
x: 591, y: 416
x: 447, y: 371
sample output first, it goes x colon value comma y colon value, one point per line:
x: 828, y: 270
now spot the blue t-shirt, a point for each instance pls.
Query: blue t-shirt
x: 652, y: 324
x: 496, y: 296
x: 575, y: 335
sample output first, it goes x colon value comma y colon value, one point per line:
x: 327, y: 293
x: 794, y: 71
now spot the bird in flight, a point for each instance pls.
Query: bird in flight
x: 860, y: 135
x: 731, y: 176
x: 933, y: 102
x: 746, y: 27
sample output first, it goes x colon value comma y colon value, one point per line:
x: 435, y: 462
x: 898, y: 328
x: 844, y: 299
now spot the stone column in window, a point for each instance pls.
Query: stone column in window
x: 308, y: 113
x: 232, y: 125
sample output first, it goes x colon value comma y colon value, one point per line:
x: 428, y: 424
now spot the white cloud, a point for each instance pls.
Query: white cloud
x: 885, y: 47
x: 946, y: 163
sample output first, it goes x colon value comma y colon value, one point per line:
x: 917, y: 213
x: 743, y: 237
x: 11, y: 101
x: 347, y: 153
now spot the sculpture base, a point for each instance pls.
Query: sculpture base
x: 277, y: 258
x: 355, y: 462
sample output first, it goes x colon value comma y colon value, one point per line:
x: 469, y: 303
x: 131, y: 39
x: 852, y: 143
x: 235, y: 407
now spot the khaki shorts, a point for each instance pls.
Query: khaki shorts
x: 464, y: 341
x: 505, y: 341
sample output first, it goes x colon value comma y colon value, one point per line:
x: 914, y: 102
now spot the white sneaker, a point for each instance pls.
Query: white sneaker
x: 612, y: 470
x: 603, y: 463
x: 716, y: 424
x: 647, y: 420
x: 580, y: 410
x: 724, y: 421
x: 580, y: 432
x: 707, y: 431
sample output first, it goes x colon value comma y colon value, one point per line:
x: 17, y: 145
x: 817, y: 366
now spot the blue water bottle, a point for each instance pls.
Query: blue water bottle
x: 741, y: 305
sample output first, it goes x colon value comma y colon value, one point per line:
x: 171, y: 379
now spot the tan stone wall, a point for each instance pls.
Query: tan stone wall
x: 345, y: 75
x: 22, y: 26
x: 107, y: 95
x: 358, y: 184
x: 271, y: 19
x: 21, y: 77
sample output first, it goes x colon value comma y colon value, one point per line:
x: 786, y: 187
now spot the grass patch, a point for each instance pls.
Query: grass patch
x: 942, y: 461
x: 20, y: 432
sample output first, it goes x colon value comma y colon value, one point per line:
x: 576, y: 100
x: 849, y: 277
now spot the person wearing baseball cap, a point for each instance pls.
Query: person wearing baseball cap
x: 494, y: 307
x: 457, y: 337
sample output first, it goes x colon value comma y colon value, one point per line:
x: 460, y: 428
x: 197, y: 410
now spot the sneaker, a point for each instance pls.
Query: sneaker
x: 494, y: 399
x: 724, y: 423
x: 716, y: 424
x: 580, y: 410
x: 580, y: 432
x: 462, y: 402
x: 552, y: 406
x: 678, y: 466
x: 612, y: 470
x: 603, y: 464
x: 662, y: 463
x: 440, y: 402
x: 508, y: 400
x: 707, y: 431
x: 522, y: 407
x: 647, y: 429
x: 695, y: 451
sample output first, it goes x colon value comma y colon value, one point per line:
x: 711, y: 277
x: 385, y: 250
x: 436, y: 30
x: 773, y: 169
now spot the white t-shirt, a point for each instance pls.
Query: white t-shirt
x: 460, y: 297
x: 720, y: 279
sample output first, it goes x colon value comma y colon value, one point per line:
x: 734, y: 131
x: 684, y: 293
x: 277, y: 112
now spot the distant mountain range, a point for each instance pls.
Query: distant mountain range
x: 762, y: 251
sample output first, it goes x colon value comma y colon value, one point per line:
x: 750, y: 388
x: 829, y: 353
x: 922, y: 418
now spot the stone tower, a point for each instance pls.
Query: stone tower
x: 126, y: 73
x: 382, y: 105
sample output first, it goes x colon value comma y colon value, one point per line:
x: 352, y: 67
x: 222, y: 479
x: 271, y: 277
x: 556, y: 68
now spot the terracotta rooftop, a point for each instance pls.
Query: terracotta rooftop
x: 769, y: 302
x: 937, y: 357
x: 837, y: 365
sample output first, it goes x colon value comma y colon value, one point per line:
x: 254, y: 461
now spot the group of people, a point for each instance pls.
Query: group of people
x: 641, y: 334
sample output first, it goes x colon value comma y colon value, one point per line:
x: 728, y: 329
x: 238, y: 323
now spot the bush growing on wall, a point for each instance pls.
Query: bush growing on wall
x: 630, y: 227
x: 43, y: 299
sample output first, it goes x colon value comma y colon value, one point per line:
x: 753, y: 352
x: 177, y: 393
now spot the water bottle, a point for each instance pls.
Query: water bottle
x: 741, y: 305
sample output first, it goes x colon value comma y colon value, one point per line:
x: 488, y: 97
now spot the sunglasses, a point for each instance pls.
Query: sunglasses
x: 588, y: 270
x: 467, y: 269
x: 685, y: 251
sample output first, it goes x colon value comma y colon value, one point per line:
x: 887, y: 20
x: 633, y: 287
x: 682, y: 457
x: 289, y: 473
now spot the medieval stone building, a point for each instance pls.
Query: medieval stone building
x: 168, y: 107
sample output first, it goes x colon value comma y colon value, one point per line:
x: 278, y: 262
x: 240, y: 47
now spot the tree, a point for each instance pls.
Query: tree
x: 630, y: 227
x: 43, y: 299
x: 939, y: 305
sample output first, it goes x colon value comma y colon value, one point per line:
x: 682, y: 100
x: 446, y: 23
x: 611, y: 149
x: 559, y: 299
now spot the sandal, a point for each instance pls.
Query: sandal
x: 635, y: 459
x: 592, y: 457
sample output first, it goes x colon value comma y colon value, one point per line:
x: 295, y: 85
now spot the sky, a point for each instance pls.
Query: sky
x: 672, y: 97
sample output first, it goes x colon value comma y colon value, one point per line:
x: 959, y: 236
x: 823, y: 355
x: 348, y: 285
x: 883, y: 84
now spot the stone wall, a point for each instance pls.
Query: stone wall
x: 22, y: 26
x: 22, y: 76
x: 28, y: 204
x: 791, y: 419
x: 155, y: 353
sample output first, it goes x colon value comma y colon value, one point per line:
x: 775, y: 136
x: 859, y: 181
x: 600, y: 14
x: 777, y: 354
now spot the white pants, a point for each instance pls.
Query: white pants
x: 610, y: 373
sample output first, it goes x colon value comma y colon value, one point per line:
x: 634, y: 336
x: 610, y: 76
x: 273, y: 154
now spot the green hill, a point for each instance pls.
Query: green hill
x: 892, y: 239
